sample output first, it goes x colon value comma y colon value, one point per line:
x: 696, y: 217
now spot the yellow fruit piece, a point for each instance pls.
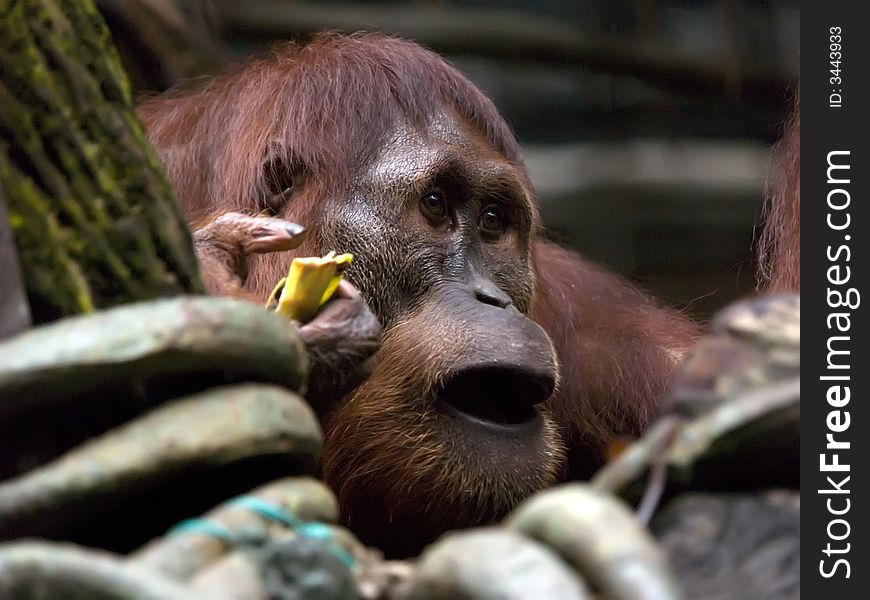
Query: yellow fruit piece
x: 309, y: 284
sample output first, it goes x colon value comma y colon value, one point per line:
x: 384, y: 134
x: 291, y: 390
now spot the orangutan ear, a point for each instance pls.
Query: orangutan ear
x: 282, y: 178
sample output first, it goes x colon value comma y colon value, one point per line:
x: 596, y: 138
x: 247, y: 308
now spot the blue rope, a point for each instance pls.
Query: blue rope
x: 267, y: 510
x: 319, y: 531
x: 204, y: 527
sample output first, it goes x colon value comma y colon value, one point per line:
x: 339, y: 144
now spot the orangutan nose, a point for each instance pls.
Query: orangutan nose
x: 489, y: 293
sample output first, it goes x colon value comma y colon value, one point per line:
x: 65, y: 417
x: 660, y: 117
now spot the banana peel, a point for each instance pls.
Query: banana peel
x: 309, y: 284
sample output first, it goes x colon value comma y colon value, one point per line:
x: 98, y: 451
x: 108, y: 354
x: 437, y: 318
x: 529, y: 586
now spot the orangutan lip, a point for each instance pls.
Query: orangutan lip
x: 511, y: 431
x: 496, y: 396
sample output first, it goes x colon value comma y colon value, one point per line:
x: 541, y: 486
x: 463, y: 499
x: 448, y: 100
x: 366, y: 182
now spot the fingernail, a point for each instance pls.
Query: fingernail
x: 293, y: 229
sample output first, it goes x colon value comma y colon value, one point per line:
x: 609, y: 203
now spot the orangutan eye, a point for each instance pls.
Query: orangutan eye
x: 276, y: 204
x: 491, y: 222
x: 433, y: 205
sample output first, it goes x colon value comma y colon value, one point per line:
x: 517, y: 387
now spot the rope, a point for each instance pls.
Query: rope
x: 267, y: 510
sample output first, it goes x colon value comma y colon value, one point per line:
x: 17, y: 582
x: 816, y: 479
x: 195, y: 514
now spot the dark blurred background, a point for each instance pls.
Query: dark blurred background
x: 646, y: 124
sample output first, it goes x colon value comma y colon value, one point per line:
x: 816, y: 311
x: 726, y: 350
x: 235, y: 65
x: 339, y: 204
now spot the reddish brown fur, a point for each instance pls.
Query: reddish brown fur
x: 617, y: 351
x: 326, y: 109
x: 780, y: 243
x: 327, y: 105
x: 383, y: 424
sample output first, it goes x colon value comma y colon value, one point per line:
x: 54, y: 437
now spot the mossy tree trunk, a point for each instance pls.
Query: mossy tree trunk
x: 93, y: 215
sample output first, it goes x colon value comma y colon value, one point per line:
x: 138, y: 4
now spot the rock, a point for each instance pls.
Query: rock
x: 599, y: 536
x: 181, y: 555
x: 63, y: 571
x: 85, y: 354
x: 491, y: 564
x: 303, y: 568
x: 734, y: 546
x: 205, y: 431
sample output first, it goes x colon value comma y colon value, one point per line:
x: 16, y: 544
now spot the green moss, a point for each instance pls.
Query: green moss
x: 94, y: 217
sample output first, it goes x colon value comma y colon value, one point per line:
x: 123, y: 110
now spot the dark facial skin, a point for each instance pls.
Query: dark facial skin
x: 448, y: 431
x: 436, y: 206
